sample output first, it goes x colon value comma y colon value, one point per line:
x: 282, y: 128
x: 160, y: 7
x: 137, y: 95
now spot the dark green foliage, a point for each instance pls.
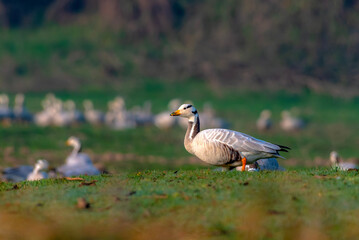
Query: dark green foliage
x: 247, y: 44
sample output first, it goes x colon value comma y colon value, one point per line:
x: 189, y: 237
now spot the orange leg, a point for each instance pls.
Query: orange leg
x: 244, y: 161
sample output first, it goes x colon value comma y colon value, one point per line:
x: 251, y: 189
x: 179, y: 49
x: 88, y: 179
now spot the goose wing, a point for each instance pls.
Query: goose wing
x: 240, y: 141
x: 17, y: 174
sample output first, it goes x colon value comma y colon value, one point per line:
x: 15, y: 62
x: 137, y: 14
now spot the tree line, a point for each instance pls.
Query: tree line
x: 253, y: 42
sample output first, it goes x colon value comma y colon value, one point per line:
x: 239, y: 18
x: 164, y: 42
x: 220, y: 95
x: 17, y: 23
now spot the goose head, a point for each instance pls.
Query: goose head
x: 186, y: 111
x: 41, y: 164
x: 74, y: 142
x: 334, y: 158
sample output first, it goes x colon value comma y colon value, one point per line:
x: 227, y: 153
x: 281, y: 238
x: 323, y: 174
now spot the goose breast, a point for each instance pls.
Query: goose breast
x: 79, y: 158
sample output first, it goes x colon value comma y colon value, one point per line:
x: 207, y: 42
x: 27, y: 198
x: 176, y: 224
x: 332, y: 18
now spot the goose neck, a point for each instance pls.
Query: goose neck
x: 193, y: 129
x: 36, y: 169
x: 77, y: 149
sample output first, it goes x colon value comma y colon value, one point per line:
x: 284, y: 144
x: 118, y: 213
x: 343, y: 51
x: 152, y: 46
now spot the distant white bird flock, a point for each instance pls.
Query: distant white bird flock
x: 56, y: 112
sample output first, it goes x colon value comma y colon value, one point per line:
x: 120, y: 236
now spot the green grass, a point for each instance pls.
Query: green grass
x: 183, y: 204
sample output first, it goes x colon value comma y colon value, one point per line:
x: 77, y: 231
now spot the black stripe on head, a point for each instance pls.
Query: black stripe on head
x: 188, y: 106
x: 194, y: 112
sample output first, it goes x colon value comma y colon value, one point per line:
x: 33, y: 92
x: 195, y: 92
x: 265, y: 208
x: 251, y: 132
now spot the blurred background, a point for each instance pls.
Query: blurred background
x: 241, y: 57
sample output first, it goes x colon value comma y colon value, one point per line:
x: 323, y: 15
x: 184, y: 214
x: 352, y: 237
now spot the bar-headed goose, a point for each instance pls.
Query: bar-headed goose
x: 92, y: 115
x: 44, y: 118
x: 36, y: 174
x: 223, y: 147
x: 21, y: 113
x: 117, y: 116
x: 77, y: 163
x: 6, y: 114
x: 24, y: 172
x: 337, y: 162
x: 291, y: 123
x: 142, y: 116
x: 264, y: 121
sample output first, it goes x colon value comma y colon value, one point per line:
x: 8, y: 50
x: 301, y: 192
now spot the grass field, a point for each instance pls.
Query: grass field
x: 156, y: 190
x: 186, y: 204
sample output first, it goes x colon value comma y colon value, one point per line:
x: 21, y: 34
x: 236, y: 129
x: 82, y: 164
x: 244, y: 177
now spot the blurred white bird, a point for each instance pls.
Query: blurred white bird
x: 59, y: 117
x: 117, y: 116
x: 24, y: 172
x: 74, y: 115
x: 142, y: 115
x: 77, y: 163
x: 36, y: 174
x: 93, y: 116
x: 6, y: 115
x: 291, y: 123
x: 209, y: 118
x: 21, y: 113
x: 338, y: 162
x: 44, y: 117
x: 163, y: 119
x: 264, y: 121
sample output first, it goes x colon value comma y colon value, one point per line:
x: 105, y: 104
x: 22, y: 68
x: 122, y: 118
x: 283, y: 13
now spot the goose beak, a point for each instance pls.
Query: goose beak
x: 68, y: 143
x: 175, y: 113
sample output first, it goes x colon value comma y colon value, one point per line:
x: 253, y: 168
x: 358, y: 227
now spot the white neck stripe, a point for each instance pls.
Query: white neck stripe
x: 195, y: 121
